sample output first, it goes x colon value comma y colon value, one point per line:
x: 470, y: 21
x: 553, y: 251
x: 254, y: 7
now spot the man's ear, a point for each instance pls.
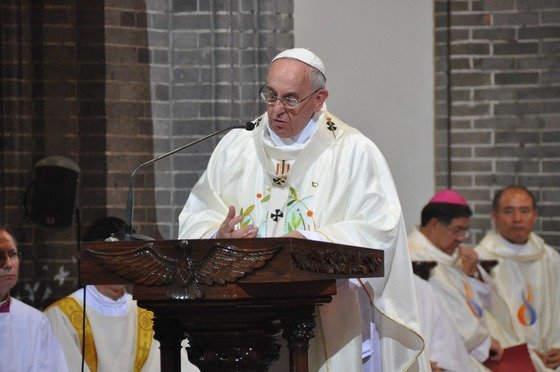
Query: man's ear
x: 432, y: 224
x: 320, y: 99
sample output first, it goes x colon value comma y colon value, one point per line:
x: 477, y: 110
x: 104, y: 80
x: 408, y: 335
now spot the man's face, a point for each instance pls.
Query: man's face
x: 288, y: 77
x: 9, y: 263
x: 515, y: 216
x: 449, y: 238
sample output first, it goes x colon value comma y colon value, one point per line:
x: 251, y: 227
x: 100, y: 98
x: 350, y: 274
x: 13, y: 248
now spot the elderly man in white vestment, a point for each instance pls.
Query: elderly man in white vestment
x: 304, y: 173
x: 26, y: 340
x: 527, y: 273
x: 118, y: 333
x: 478, y: 312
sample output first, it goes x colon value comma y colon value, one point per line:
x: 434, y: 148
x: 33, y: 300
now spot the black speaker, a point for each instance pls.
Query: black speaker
x: 54, y: 189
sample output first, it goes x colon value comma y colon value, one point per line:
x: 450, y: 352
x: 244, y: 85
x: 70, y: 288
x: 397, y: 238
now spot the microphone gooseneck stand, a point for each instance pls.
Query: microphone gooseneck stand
x: 128, y: 235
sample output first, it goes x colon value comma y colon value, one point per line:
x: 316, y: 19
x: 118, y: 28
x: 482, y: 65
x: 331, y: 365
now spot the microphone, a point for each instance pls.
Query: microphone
x: 128, y: 235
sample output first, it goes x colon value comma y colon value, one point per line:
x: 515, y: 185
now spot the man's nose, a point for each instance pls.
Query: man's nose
x: 278, y: 107
x: 517, y: 215
x: 6, y: 263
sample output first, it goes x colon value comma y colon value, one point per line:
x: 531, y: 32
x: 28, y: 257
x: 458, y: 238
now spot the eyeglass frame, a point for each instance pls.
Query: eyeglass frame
x: 282, y: 100
x: 456, y: 230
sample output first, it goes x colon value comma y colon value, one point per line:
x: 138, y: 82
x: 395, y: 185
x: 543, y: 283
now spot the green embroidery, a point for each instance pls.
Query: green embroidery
x: 293, y: 193
x: 298, y: 215
x: 267, y: 197
x: 295, y: 219
x: 246, y: 220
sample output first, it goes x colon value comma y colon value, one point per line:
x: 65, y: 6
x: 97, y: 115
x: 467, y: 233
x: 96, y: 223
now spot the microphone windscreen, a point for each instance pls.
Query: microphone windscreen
x: 249, y: 125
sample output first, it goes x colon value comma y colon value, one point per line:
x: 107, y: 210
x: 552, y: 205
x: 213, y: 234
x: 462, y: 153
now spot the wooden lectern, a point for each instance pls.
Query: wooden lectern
x: 231, y: 298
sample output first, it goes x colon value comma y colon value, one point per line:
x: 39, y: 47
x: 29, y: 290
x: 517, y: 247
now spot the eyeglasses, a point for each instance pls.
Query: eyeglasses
x: 457, y: 231
x: 290, y: 102
x: 12, y: 255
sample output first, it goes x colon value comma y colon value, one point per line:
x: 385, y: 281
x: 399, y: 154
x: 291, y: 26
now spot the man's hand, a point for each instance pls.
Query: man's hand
x: 469, y: 260
x: 435, y: 367
x: 550, y: 358
x: 496, y: 350
x: 227, y: 229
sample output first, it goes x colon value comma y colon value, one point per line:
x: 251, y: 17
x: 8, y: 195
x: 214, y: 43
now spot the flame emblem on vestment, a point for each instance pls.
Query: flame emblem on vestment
x: 476, y: 309
x: 526, y: 313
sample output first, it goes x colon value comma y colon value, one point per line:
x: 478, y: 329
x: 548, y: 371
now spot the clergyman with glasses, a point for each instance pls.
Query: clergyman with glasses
x: 27, y: 342
x: 304, y: 173
x: 478, y: 312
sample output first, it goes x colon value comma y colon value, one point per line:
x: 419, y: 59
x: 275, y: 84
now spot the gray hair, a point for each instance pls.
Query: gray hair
x: 318, y: 80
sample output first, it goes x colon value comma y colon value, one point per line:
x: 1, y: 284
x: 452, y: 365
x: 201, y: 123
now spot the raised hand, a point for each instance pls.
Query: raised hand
x: 227, y: 229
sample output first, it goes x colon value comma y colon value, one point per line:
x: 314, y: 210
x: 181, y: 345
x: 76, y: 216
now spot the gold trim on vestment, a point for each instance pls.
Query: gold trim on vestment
x: 144, y: 335
x: 144, y: 332
x: 75, y: 313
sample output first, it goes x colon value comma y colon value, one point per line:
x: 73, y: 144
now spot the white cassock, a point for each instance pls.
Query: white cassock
x: 27, y: 342
x: 335, y: 187
x: 443, y: 344
x: 528, y: 277
x: 478, y: 312
x: 119, y: 334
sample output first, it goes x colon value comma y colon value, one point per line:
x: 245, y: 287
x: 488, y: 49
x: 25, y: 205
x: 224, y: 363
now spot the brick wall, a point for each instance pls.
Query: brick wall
x: 39, y: 118
x: 111, y: 84
x: 498, y: 104
x: 207, y: 63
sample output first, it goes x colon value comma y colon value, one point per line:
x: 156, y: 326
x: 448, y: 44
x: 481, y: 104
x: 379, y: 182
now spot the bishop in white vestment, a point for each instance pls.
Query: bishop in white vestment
x: 469, y: 311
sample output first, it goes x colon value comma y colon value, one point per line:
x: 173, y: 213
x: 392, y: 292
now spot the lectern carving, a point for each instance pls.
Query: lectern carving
x: 231, y: 298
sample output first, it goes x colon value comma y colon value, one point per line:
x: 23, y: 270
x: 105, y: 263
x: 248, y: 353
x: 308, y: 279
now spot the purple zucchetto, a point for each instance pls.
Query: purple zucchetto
x: 449, y: 196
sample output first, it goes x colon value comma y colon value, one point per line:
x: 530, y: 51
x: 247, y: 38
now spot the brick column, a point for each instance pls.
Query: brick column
x: 504, y: 104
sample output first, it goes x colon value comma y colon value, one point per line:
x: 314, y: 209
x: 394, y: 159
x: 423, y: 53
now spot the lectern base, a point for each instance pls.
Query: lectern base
x: 222, y: 337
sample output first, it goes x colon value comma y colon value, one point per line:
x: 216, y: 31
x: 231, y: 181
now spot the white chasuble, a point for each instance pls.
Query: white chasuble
x: 474, y: 318
x: 528, y: 276
x: 27, y: 342
x: 121, y: 342
x: 339, y: 187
